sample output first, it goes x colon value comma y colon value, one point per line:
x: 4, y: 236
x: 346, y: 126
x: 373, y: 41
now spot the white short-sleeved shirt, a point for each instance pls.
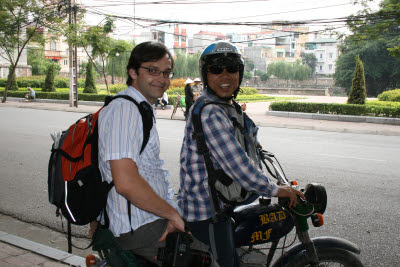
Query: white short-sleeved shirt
x: 121, y: 136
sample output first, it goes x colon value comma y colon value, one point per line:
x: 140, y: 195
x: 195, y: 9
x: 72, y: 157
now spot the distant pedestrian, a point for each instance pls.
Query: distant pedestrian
x: 189, y: 97
x: 163, y: 101
x: 31, y: 95
x: 197, y: 87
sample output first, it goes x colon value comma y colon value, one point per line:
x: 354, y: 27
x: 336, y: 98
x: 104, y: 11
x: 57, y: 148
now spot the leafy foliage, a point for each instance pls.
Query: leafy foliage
x: 90, y: 84
x: 310, y: 60
x: 186, y: 66
x: 49, y: 81
x: 392, y: 95
x: 15, y: 15
x: 382, y: 71
x: 337, y: 109
x: 383, y: 25
x: 249, y: 65
x: 358, y: 92
x: 289, y: 71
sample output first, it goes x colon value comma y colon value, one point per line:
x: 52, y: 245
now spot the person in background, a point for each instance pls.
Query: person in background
x: 197, y: 88
x: 163, y: 101
x: 31, y: 95
x: 189, y: 97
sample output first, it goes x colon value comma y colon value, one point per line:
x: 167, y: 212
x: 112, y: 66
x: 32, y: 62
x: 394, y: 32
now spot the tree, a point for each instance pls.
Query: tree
x: 50, y: 76
x: 96, y: 37
x: 381, y: 25
x: 382, y: 71
x: 37, y: 61
x: 358, y: 92
x: 310, y: 60
x: 249, y: 64
x: 289, y: 71
x: 20, y: 21
x: 90, y: 84
x: 13, y: 80
x: 119, y: 57
x: 186, y: 66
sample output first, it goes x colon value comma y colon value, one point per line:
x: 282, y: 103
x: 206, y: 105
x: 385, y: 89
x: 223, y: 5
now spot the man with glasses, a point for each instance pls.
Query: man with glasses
x: 140, y: 206
x: 221, y: 70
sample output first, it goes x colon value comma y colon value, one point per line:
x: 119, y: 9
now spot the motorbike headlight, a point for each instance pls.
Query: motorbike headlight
x: 316, y: 195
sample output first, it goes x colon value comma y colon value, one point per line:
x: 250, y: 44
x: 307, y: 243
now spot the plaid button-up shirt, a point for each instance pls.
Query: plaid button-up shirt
x: 225, y: 152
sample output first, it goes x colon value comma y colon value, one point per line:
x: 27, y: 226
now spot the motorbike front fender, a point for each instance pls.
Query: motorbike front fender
x: 319, y: 242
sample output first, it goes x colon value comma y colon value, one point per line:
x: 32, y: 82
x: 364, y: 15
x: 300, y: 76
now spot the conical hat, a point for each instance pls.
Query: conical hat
x: 188, y: 81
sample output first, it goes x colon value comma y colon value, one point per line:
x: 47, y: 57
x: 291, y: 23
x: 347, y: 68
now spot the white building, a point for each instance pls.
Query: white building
x: 326, y: 51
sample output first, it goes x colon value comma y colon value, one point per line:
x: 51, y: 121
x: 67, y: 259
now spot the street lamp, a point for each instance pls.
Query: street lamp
x: 112, y: 71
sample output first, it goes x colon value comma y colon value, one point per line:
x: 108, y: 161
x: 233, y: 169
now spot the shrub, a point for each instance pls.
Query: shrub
x: 49, y: 81
x: 174, y: 90
x: 90, y: 85
x: 248, y: 91
x: 358, y: 92
x: 115, y: 88
x: 337, y: 109
x: 392, y: 95
x: 179, y: 82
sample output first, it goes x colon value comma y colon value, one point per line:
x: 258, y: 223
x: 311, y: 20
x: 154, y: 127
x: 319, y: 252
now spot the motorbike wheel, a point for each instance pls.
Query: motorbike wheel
x: 329, y: 257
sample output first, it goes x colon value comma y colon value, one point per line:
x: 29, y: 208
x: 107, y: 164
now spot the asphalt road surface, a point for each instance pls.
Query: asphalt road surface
x: 360, y: 172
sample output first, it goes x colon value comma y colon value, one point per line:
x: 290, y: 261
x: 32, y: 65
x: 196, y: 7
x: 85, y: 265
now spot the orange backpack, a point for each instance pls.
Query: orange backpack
x: 75, y: 184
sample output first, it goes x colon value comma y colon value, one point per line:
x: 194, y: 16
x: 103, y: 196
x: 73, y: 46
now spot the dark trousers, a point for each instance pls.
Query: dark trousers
x: 163, y: 103
x: 223, y: 237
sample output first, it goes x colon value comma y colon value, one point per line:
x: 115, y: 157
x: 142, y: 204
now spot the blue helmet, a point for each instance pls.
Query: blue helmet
x: 224, y: 53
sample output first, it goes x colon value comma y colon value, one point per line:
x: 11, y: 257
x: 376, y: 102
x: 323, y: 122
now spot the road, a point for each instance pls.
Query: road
x: 360, y: 172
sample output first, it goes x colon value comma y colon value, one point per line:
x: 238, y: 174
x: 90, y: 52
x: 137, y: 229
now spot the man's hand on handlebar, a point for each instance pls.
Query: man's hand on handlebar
x: 291, y: 193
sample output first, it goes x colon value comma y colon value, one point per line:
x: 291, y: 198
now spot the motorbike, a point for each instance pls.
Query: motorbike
x: 259, y: 227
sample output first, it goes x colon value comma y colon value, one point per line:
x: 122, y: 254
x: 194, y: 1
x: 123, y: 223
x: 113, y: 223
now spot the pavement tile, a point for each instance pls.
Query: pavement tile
x: 10, y: 250
x: 32, y: 258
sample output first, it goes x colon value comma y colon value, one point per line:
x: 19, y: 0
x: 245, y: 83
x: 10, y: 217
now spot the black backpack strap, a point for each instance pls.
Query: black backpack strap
x: 202, y: 148
x: 146, y: 112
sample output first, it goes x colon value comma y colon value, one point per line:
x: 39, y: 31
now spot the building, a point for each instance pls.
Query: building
x: 204, y: 38
x: 57, y: 49
x: 326, y: 51
x: 23, y: 69
x: 171, y: 35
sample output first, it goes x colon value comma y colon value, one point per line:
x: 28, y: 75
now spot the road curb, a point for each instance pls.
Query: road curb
x: 49, y: 252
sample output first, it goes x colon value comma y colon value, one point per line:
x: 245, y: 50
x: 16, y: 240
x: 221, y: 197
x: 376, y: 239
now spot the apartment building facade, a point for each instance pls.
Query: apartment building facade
x: 326, y: 51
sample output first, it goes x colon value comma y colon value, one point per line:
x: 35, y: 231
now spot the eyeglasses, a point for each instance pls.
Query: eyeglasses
x: 156, y: 72
x: 218, y: 69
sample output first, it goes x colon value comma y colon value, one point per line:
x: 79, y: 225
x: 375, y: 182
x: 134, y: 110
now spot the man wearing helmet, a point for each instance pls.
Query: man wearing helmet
x: 221, y: 68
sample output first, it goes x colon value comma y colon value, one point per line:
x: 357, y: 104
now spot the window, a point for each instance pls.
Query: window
x: 183, y: 39
x: 330, y: 55
x: 321, y: 56
x: 330, y: 67
x: 176, y: 38
x: 53, y: 46
x: 279, y: 54
x: 65, y: 62
x: 320, y: 68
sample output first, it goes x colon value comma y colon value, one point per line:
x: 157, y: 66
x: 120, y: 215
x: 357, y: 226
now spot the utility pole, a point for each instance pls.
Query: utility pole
x: 73, y: 77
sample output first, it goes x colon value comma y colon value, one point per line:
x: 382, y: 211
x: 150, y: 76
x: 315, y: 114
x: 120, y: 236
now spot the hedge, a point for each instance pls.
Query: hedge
x: 337, y: 109
x: 392, y: 95
x: 38, y: 82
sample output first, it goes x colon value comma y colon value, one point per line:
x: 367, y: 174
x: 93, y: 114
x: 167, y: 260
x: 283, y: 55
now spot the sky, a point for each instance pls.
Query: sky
x: 135, y: 12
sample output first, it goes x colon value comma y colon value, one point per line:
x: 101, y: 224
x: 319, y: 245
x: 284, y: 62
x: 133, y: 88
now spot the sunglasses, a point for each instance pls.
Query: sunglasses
x: 218, y: 69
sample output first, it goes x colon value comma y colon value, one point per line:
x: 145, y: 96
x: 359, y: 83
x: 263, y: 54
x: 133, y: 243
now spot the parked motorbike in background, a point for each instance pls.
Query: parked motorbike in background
x: 262, y: 226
